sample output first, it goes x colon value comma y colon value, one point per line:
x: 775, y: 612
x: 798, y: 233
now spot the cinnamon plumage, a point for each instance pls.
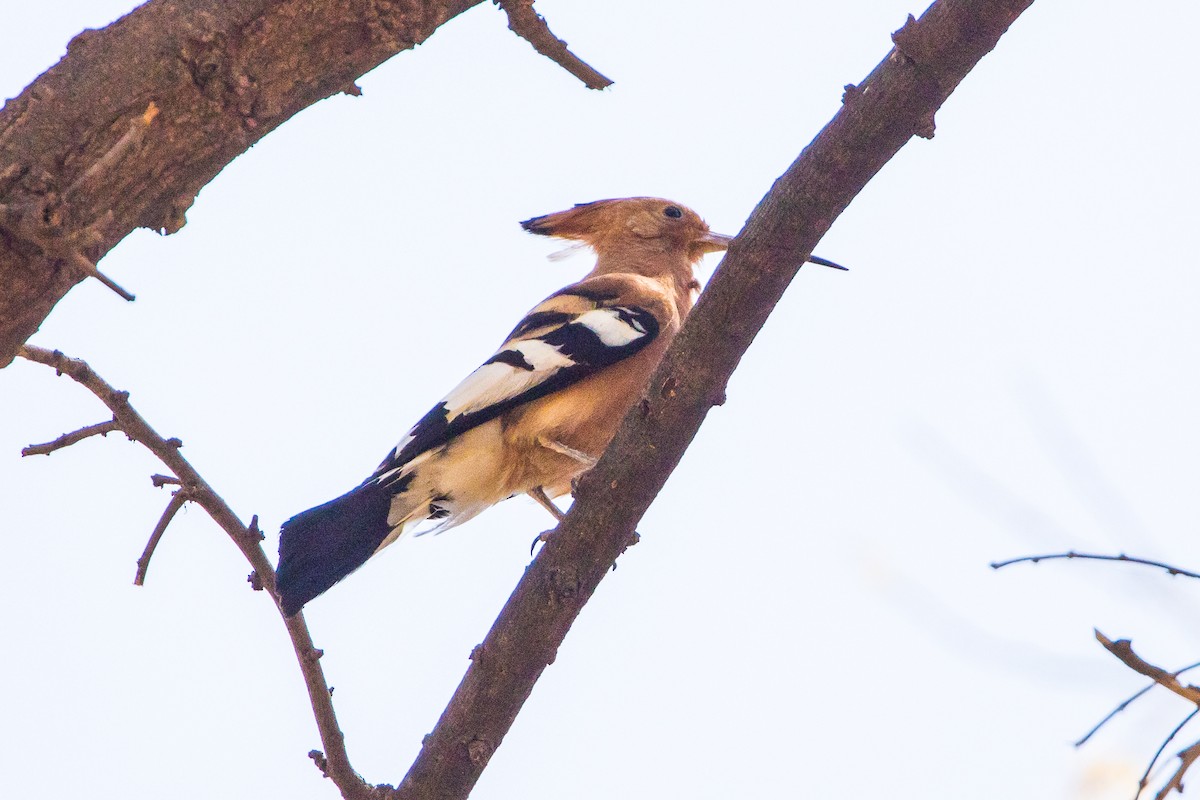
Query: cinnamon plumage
x: 538, y: 412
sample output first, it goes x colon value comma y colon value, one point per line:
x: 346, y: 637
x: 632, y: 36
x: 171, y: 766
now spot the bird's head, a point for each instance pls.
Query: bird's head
x: 633, y: 223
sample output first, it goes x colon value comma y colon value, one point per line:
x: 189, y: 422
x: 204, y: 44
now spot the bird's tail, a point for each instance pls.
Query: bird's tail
x: 319, y: 547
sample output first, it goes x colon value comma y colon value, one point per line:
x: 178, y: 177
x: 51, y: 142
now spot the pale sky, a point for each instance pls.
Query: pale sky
x: 1008, y: 368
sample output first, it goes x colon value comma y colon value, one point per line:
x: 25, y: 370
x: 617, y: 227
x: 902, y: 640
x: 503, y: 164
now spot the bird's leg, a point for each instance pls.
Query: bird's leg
x: 539, y: 494
x: 587, y: 460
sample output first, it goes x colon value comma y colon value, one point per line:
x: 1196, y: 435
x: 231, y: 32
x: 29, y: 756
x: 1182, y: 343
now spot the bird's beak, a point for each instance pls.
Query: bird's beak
x: 824, y: 262
x: 712, y: 242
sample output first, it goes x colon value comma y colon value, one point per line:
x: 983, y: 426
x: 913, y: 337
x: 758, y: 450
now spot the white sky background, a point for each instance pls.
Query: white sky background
x: 1009, y: 368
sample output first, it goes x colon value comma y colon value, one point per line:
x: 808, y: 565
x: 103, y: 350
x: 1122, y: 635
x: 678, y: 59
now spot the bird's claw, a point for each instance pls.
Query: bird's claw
x: 544, y: 536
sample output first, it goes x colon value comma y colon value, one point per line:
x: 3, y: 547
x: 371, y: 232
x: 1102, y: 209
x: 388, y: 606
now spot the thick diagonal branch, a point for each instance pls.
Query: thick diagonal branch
x: 896, y: 102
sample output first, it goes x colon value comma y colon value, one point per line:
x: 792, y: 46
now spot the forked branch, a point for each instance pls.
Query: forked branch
x: 193, y: 487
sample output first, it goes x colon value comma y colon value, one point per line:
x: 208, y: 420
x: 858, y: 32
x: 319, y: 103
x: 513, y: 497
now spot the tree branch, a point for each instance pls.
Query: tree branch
x: 1123, y: 649
x: 532, y: 27
x: 213, y: 76
x: 68, y: 439
x: 335, y: 763
x: 177, y: 500
x: 1125, y: 704
x: 894, y: 103
x: 1187, y: 757
x: 1171, y: 570
x: 1144, y: 781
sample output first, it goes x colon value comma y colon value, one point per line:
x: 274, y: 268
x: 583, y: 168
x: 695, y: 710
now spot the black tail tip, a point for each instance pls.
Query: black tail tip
x: 319, y: 547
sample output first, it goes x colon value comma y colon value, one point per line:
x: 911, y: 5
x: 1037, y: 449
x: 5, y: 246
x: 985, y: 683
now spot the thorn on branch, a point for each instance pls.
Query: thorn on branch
x: 68, y: 439
x: 531, y: 26
x: 143, y: 564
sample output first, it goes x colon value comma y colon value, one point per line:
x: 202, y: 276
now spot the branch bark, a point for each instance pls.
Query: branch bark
x: 334, y: 762
x: 83, y: 162
x: 896, y: 101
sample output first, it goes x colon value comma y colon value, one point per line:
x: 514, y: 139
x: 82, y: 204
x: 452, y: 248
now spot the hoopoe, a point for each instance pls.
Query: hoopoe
x: 535, y: 415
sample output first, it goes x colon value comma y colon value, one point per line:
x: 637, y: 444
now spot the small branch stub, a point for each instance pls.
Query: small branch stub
x: 68, y: 439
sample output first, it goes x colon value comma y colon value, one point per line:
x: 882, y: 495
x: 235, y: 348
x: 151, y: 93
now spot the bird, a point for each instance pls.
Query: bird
x: 536, y: 414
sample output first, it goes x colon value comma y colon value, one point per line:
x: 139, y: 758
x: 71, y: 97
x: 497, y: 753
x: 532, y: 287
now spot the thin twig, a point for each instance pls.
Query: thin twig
x: 84, y: 264
x: 27, y: 223
x: 1145, y: 779
x: 1125, y: 704
x: 160, y: 481
x: 531, y: 26
x: 1187, y: 757
x: 1171, y: 570
x: 351, y: 785
x: 178, y: 498
x: 1123, y: 649
x: 68, y: 439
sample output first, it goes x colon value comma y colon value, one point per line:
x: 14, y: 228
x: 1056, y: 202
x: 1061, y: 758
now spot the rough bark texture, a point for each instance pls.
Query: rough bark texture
x: 85, y: 158
x: 897, y: 101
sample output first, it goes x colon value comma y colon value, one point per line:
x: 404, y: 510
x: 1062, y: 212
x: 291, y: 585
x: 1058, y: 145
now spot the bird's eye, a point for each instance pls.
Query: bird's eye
x: 674, y: 212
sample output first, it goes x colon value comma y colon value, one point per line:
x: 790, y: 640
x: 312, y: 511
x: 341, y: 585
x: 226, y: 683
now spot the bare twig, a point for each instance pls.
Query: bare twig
x: 160, y: 481
x: 179, y: 497
x: 248, y: 540
x: 68, y: 439
x: 1123, y: 649
x: 531, y: 26
x: 83, y: 263
x: 1145, y: 779
x: 1171, y: 570
x: 1187, y: 757
x: 28, y: 223
x: 1125, y: 704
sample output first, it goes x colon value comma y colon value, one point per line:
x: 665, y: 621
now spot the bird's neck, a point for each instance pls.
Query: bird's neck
x: 672, y: 269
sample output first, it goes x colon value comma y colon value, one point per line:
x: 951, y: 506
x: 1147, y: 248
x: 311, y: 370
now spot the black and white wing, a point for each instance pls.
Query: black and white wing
x: 550, y: 349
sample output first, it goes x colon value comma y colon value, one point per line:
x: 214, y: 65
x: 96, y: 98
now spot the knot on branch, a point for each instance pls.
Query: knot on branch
x: 564, y: 582
x: 480, y: 751
x: 319, y: 759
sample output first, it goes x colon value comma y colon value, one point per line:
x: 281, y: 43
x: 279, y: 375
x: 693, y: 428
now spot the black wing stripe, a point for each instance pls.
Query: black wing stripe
x: 588, y: 348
